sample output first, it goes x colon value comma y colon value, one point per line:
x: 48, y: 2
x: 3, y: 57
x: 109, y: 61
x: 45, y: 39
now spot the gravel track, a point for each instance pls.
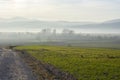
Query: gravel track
x: 12, y: 67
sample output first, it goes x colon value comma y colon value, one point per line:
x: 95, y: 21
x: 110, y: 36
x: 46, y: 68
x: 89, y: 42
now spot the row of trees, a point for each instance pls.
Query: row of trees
x: 52, y: 35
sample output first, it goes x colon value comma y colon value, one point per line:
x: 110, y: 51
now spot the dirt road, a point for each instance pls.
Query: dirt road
x: 12, y: 67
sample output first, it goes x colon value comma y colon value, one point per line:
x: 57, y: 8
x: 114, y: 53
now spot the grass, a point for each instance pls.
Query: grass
x: 83, y: 63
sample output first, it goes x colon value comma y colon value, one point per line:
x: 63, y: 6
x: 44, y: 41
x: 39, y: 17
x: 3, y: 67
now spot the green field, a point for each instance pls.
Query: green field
x: 83, y: 63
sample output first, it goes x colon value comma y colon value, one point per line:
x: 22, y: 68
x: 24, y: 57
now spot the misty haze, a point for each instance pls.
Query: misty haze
x: 59, y: 39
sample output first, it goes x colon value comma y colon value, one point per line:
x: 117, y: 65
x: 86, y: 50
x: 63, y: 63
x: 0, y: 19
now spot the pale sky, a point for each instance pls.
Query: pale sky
x: 67, y: 10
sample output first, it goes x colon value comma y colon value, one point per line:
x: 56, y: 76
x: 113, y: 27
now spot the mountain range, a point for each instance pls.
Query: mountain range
x: 24, y: 24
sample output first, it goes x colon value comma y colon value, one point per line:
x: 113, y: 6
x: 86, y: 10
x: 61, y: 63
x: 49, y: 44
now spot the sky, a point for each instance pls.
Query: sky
x: 63, y: 10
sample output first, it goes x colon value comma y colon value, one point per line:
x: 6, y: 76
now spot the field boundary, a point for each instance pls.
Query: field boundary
x: 43, y: 70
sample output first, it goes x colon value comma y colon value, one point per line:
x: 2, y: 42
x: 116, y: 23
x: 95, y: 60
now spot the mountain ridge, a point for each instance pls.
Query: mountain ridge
x: 24, y: 23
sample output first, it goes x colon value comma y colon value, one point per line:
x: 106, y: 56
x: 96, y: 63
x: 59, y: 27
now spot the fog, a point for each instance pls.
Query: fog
x: 23, y: 31
x: 67, y: 38
x: 20, y: 24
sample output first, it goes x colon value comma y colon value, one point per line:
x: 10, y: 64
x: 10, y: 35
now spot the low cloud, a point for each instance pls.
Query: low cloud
x: 71, y: 10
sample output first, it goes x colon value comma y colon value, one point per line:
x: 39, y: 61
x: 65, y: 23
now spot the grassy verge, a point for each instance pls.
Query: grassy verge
x: 83, y: 63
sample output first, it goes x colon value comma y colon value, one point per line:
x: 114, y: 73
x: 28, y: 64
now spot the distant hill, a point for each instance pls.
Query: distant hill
x: 24, y: 24
x: 113, y: 21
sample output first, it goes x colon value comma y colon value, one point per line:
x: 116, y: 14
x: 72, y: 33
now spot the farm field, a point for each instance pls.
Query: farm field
x: 82, y: 63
